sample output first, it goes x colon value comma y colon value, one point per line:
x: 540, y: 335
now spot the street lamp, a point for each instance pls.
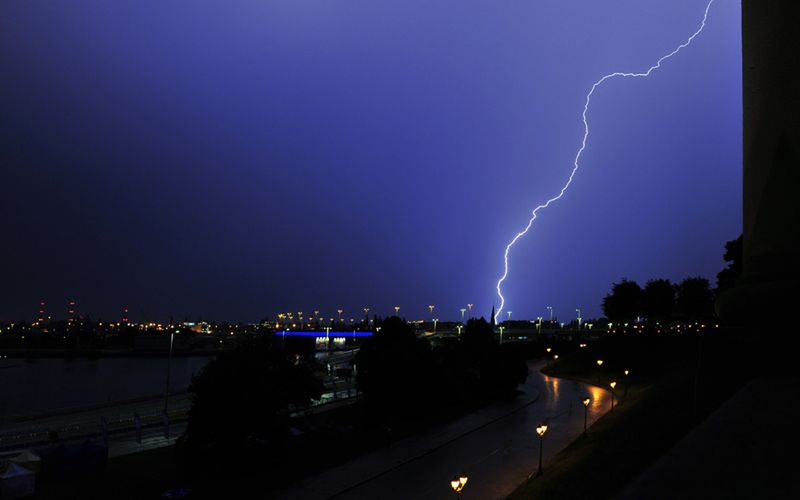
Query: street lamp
x: 599, y: 364
x: 626, y: 372
x: 169, y: 368
x: 340, y: 311
x: 435, y: 320
x: 550, y: 309
x: 469, y: 306
x: 613, y: 386
x: 586, y: 402
x: 327, y: 337
x: 462, y: 314
x: 579, y: 318
x: 397, y: 311
x: 458, y: 484
x: 501, y: 334
x: 509, y: 315
x: 431, y: 308
x: 555, y: 357
x: 538, y: 324
x: 540, y: 431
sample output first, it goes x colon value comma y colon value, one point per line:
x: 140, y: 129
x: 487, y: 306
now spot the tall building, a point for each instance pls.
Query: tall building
x: 71, y: 314
x: 40, y: 317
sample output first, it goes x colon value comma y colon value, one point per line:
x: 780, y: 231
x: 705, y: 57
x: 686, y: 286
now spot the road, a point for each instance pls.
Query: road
x: 497, y: 448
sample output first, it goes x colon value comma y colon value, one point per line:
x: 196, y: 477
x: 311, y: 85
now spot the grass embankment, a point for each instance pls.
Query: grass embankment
x: 666, y: 396
x: 138, y: 476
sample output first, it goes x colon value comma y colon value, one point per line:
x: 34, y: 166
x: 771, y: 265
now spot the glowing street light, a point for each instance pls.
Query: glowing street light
x: 549, y: 349
x: 541, y: 430
x: 626, y: 372
x: 469, y: 307
x: 509, y: 315
x: 431, y: 308
x: 586, y: 402
x: 340, y: 311
x: 579, y: 318
x: 613, y: 385
x: 458, y: 484
x: 599, y: 364
x: 550, y: 309
x: 462, y: 314
x: 538, y: 324
x: 327, y: 337
x: 501, y: 334
x: 435, y: 320
x: 555, y: 357
x: 397, y: 311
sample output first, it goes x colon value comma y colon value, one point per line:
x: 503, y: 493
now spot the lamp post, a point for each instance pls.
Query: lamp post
x: 469, y: 307
x: 626, y: 372
x: 397, y: 311
x: 579, y: 318
x: 169, y: 368
x: 541, y: 431
x: 538, y: 324
x: 550, y: 309
x: 586, y: 402
x: 501, y: 334
x: 366, y: 314
x: 462, y: 314
x: 613, y: 386
x: 599, y: 364
x: 431, y: 308
x: 509, y: 315
x: 458, y: 484
x: 435, y: 320
x: 340, y: 311
x: 459, y: 327
x: 327, y: 337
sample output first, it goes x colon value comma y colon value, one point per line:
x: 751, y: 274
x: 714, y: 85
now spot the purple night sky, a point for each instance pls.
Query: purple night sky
x: 234, y: 159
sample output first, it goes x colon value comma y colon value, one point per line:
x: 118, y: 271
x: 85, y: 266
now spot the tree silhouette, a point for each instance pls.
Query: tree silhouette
x: 395, y: 368
x: 733, y: 255
x: 624, y: 302
x: 241, y: 401
x: 695, y: 299
x: 658, y: 300
x: 477, y: 338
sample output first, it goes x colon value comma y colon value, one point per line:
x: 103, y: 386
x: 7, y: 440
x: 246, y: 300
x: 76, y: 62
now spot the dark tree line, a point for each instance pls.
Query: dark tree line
x: 241, y: 401
x: 405, y: 376
x: 662, y: 301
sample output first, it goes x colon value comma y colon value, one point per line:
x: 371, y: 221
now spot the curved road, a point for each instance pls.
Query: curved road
x: 496, y: 447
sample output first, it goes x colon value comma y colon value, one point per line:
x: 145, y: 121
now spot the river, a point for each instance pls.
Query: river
x: 44, y: 384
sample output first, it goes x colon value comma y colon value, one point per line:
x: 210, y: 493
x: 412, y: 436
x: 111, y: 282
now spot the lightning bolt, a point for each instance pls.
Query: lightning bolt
x: 576, y: 163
